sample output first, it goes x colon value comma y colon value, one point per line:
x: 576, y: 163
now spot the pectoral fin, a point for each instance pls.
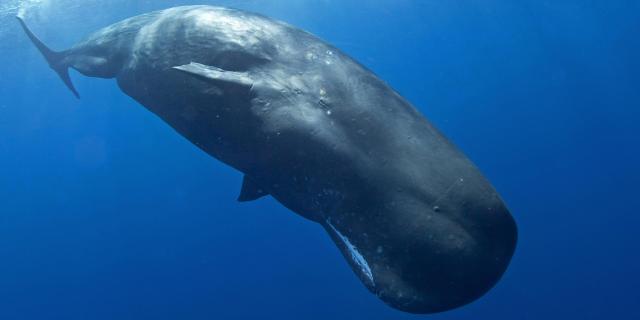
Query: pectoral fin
x: 251, y: 190
x: 215, y: 75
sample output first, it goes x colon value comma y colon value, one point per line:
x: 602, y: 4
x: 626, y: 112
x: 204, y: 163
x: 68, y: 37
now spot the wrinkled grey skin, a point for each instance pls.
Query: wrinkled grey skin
x: 418, y: 223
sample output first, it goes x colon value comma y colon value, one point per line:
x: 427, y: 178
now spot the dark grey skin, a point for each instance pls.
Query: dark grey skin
x: 306, y: 124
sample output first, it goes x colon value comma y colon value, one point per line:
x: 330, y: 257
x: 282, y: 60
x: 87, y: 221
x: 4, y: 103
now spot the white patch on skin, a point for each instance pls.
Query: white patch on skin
x: 356, y: 256
x: 206, y: 19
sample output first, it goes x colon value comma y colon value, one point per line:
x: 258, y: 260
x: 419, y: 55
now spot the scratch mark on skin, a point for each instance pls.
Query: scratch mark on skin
x: 455, y: 184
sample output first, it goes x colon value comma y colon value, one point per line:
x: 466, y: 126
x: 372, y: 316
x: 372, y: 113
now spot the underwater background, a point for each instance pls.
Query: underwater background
x: 107, y: 213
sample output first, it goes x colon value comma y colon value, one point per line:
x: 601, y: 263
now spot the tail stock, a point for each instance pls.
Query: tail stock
x: 55, y: 59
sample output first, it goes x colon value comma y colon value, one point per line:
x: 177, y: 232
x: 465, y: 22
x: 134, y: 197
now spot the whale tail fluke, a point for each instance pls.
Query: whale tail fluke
x: 55, y: 59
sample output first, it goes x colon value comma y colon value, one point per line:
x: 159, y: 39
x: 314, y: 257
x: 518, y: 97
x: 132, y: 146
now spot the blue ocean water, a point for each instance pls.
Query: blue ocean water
x: 107, y: 213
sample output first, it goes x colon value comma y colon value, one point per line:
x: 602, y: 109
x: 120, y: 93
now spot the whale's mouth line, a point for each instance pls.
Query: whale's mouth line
x: 356, y: 256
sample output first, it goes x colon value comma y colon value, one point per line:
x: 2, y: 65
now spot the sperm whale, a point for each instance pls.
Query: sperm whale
x: 416, y: 220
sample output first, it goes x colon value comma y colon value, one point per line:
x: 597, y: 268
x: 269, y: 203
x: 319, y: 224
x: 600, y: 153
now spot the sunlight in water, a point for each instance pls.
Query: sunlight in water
x: 19, y: 7
x: 26, y: 5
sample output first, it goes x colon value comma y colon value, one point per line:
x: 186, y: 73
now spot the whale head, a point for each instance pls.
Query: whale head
x: 423, y: 257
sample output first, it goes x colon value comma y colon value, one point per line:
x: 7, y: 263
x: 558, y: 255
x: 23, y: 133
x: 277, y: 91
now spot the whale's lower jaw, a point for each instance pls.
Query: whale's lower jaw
x: 361, y: 266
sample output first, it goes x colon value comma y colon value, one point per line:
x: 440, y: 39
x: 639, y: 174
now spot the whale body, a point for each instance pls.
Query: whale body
x: 415, y: 219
